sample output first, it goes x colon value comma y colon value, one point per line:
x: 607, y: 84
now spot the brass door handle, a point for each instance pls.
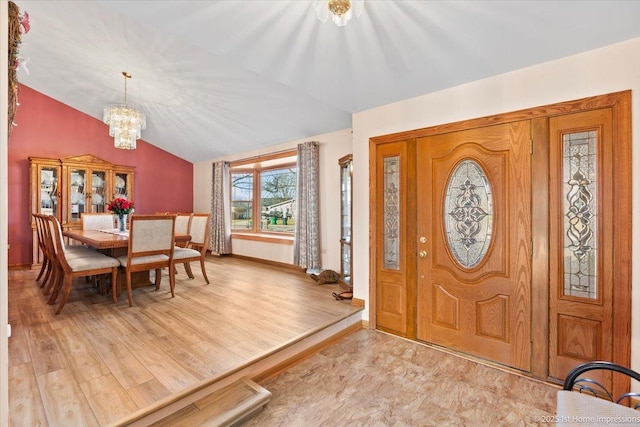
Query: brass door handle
x: 422, y: 254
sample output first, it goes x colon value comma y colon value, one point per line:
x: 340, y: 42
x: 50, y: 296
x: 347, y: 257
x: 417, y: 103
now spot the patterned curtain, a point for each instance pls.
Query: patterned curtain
x: 306, y: 247
x: 220, y: 238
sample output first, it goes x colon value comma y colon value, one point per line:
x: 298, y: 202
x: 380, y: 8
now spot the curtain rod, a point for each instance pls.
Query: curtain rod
x: 260, y: 156
x: 272, y: 153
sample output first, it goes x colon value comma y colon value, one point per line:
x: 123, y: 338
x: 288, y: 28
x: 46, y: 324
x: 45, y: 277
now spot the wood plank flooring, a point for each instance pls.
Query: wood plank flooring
x: 97, y: 362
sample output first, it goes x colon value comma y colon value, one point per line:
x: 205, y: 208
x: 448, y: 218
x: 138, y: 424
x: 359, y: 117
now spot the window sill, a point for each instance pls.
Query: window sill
x: 263, y: 237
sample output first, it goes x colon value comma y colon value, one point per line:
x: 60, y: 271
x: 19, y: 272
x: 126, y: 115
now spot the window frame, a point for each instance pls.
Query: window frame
x: 255, y: 167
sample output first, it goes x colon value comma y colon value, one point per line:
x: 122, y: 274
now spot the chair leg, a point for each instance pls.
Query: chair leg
x: 114, y: 277
x: 51, y: 268
x: 65, y: 293
x: 114, y: 285
x: 54, y: 285
x: 42, y: 269
x: 172, y: 279
x: 158, y: 278
x: 187, y: 268
x: 204, y: 272
x: 129, y: 292
x: 48, y: 283
x: 45, y: 282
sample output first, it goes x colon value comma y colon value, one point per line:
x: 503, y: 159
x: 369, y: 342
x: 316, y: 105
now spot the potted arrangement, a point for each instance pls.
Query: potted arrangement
x: 121, y: 208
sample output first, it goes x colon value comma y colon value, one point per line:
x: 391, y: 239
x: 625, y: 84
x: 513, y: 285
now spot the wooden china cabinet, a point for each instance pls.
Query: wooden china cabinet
x: 346, y: 193
x: 68, y: 187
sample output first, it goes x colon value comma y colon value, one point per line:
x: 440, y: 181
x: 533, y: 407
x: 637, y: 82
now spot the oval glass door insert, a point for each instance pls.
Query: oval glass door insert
x: 468, y: 213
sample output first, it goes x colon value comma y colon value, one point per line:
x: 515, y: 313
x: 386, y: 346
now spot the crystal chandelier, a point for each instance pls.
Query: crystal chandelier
x: 125, y: 121
x: 341, y: 10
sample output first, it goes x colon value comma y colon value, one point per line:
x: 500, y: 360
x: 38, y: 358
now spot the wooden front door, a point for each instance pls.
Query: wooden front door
x: 474, y: 242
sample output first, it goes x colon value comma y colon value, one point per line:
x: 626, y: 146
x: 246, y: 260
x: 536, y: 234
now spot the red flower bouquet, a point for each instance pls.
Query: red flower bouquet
x: 120, y: 206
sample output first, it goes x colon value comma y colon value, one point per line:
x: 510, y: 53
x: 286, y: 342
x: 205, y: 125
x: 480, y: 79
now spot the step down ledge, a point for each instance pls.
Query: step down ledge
x: 226, y: 407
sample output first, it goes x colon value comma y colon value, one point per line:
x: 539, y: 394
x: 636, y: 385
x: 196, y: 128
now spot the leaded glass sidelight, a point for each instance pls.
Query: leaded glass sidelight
x: 468, y: 213
x: 392, y: 212
x: 580, y: 214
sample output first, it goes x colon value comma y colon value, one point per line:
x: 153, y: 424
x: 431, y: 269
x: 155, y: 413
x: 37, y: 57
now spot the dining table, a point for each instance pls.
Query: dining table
x: 115, y: 244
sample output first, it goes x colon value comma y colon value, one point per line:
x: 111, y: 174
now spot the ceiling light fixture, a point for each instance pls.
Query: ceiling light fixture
x: 125, y: 121
x: 341, y: 10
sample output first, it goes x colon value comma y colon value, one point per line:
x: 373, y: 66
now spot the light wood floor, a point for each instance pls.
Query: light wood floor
x: 97, y: 361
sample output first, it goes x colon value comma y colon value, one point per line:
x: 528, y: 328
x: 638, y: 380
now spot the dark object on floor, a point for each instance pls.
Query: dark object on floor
x: 343, y: 295
x: 326, y: 276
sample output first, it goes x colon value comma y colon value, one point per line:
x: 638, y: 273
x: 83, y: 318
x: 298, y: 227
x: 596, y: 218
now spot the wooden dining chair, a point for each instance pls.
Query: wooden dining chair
x: 50, y: 231
x: 150, y: 248
x: 97, y: 221
x: 71, y: 265
x: 46, y: 267
x: 197, y: 248
x: 183, y: 226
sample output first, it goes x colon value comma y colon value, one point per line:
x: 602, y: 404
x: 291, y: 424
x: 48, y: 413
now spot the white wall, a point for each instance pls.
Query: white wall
x: 610, y: 69
x: 332, y: 146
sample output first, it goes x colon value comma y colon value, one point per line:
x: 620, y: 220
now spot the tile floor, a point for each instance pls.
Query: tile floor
x: 371, y: 378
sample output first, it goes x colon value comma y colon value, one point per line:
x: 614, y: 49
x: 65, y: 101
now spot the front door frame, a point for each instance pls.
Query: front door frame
x: 620, y: 103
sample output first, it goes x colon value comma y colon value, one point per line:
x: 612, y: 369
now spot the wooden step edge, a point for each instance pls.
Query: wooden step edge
x: 260, y: 396
x: 228, y: 406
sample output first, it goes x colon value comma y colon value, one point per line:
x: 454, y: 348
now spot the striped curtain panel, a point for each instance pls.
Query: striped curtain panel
x: 306, y: 246
x: 220, y: 238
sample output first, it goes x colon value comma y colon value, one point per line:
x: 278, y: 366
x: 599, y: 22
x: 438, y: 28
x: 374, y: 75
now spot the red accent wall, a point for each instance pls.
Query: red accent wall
x: 48, y: 128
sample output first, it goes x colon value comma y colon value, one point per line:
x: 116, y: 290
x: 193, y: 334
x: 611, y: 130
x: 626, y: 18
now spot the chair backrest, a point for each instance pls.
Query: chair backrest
x: 53, y: 230
x: 55, y: 241
x: 44, y: 243
x: 46, y: 230
x: 97, y: 221
x: 39, y: 220
x: 151, y: 235
x: 183, y: 223
x: 200, y: 230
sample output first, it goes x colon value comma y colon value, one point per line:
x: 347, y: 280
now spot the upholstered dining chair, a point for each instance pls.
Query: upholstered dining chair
x: 71, y: 265
x: 150, y: 248
x: 48, y: 231
x: 97, y: 221
x: 197, y: 248
x: 183, y: 226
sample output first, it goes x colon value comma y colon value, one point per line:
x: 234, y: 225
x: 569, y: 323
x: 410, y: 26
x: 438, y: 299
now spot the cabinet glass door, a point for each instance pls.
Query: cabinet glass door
x: 49, y: 193
x: 121, y: 186
x: 77, y: 194
x: 98, y: 197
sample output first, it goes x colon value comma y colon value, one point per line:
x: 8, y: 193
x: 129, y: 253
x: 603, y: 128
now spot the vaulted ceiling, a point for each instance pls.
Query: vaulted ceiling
x: 223, y: 77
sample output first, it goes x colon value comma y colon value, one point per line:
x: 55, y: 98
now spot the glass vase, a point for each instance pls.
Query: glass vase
x: 121, y: 220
